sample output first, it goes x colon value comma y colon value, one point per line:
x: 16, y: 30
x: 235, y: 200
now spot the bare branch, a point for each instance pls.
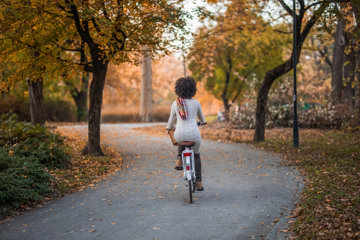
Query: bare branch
x: 283, y: 32
x: 313, y: 19
x: 302, y: 5
x: 67, y: 49
x: 286, y: 7
x: 312, y: 5
x: 328, y: 1
x: 106, y: 15
x: 84, y: 33
x: 326, y: 57
x: 93, y: 20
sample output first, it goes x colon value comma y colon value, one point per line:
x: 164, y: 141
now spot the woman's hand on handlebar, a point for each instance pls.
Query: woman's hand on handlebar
x: 201, y: 123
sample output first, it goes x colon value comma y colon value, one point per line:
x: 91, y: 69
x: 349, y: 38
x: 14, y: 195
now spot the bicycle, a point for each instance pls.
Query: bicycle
x: 187, y: 157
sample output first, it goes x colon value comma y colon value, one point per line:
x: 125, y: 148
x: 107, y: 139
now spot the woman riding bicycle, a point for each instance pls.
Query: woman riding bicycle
x: 184, y: 112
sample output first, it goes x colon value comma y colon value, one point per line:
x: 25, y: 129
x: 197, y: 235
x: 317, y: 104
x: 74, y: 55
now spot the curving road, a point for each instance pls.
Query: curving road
x: 248, y: 194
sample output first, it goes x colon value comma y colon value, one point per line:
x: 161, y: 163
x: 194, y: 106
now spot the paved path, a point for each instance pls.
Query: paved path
x: 247, y: 193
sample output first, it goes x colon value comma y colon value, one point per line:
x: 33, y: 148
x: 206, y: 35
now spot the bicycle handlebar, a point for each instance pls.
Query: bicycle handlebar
x: 201, y: 123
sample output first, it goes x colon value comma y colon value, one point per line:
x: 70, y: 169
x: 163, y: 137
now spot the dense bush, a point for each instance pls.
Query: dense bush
x: 243, y: 116
x: 26, y: 154
x: 58, y: 110
x: 33, y: 141
x: 23, y: 179
x: 326, y: 116
x: 282, y: 116
x: 19, y: 106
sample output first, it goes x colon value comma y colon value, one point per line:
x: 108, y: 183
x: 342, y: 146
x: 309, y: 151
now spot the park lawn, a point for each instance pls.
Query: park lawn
x: 330, y: 161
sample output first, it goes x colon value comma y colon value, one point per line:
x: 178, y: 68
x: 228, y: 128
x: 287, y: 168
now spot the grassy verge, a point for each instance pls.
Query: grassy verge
x: 330, y: 203
x: 330, y: 161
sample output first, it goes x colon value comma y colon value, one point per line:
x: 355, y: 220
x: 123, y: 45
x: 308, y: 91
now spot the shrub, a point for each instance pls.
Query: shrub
x: 243, y: 116
x: 26, y: 154
x: 282, y: 116
x: 16, y: 105
x: 58, y: 110
x: 328, y: 116
x: 23, y: 179
x: 33, y: 141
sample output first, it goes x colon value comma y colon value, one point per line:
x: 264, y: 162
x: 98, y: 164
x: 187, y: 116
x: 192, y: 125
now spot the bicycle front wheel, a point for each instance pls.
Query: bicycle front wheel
x: 190, y: 191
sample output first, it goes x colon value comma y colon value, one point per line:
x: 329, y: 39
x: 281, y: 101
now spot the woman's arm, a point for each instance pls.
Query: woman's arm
x: 200, y: 114
x: 172, y: 118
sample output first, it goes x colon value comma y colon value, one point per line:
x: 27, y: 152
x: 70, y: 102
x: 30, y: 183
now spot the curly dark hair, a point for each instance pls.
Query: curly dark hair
x: 185, y: 87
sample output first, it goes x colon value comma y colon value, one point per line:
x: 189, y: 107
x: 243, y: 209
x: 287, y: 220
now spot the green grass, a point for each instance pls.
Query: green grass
x: 330, y: 203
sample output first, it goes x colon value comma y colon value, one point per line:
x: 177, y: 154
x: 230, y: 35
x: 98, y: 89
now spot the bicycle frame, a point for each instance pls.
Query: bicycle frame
x: 187, y: 157
x: 188, y: 164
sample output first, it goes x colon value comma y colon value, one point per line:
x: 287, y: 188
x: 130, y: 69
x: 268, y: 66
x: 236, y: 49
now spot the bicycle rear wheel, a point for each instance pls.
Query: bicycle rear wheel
x: 190, y: 191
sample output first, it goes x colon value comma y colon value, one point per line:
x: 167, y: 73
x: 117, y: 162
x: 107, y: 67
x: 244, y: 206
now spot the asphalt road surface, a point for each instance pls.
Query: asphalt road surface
x: 248, y: 194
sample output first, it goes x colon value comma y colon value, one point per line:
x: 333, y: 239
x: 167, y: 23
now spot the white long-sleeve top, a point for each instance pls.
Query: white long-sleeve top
x: 187, y: 130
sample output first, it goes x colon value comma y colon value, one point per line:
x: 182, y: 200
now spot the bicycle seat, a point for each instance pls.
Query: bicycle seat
x: 187, y: 144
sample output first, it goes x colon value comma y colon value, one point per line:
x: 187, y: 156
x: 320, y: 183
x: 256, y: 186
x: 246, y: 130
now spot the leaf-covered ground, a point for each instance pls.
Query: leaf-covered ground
x: 84, y: 170
x: 329, y: 160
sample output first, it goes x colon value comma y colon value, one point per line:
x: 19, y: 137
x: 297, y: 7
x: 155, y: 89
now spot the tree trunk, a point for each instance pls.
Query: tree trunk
x: 224, y: 96
x: 349, y: 78
x: 226, y: 107
x: 356, y: 11
x: 357, y: 101
x: 260, y: 116
x: 146, y: 90
x: 36, y: 98
x: 338, y: 63
x: 80, y: 98
x: 96, y: 94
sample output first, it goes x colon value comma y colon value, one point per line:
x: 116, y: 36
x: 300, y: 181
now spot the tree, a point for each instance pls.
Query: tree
x: 28, y: 49
x: 116, y: 31
x: 113, y: 31
x: 146, y: 90
x: 243, y: 46
x: 344, y: 39
x: 305, y: 21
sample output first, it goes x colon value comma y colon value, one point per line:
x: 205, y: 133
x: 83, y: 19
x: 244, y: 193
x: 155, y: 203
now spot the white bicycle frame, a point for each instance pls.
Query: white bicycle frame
x: 188, y: 164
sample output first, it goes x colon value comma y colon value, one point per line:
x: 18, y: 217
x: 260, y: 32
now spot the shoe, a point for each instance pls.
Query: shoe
x: 199, y: 186
x: 179, y: 165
